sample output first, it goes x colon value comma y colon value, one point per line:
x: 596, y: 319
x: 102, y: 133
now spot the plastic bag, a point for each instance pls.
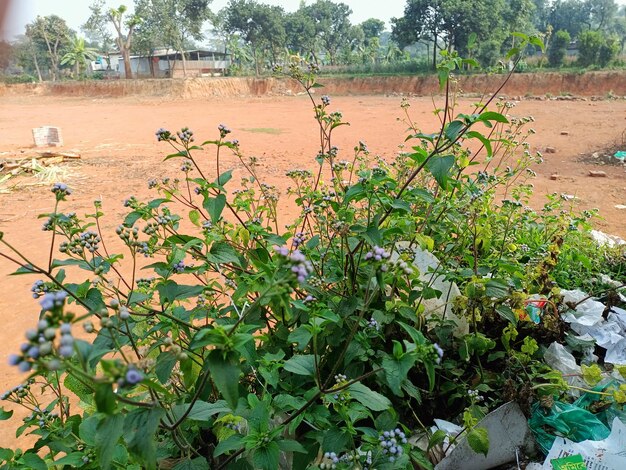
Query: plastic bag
x: 573, y: 421
x: 567, y: 420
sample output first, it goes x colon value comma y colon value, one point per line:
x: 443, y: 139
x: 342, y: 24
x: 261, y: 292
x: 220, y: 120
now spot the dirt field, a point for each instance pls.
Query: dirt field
x: 119, y: 154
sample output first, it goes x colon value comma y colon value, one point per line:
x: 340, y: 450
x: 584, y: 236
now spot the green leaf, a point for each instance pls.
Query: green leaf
x: 478, y: 440
x: 291, y: 446
x: 131, y: 218
x: 440, y: 168
x: 214, y: 206
x: 225, y: 374
x: 266, y: 458
x: 505, y: 312
x: 108, y: 433
x: 453, y: 130
x: 78, y: 388
x: 199, y: 463
x: 33, y: 461
x: 493, y: 116
x: 396, y: 371
x: 201, y: 410
x: 140, y: 426
x: 402, y: 206
x: 301, y: 336
x: 368, y: 397
x: 4, y: 414
x: 194, y: 217
x: 105, y: 398
x: 224, y: 178
x: 303, y: 364
x: 73, y: 460
x: 88, y: 428
x: 5, y: 454
x: 234, y: 442
x: 484, y: 140
x: 164, y: 365
x: 496, y: 289
x: 221, y: 252
x: 169, y: 291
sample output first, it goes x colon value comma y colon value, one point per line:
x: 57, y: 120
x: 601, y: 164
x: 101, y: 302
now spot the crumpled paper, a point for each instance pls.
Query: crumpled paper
x: 587, y: 321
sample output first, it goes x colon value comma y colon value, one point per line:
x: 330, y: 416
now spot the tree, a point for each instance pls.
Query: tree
x: 570, y: 15
x: 558, y: 48
x: 261, y: 26
x: 78, y: 54
x: 451, y: 23
x: 372, y: 28
x: 173, y: 22
x: 97, y: 29
x: 589, y: 44
x: 51, y: 34
x: 124, y: 28
x: 332, y: 25
x: 300, y: 33
x: 602, y: 13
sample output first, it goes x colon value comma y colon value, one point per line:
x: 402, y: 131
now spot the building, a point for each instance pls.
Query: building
x: 165, y: 63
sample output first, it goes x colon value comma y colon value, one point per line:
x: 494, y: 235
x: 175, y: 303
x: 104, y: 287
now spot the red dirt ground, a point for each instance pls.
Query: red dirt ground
x: 119, y: 154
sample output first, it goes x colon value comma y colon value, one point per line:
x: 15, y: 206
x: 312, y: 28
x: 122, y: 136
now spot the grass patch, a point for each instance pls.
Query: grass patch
x: 264, y: 130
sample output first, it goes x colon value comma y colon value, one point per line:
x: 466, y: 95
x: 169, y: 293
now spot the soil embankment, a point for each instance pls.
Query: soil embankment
x: 522, y: 84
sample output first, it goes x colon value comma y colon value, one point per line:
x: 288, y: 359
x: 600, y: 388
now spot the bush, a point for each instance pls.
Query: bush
x: 558, y: 48
x: 608, y: 51
x: 246, y: 347
x: 15, y: 79
x: 589, y: 45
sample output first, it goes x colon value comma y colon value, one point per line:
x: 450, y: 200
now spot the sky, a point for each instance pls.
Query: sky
x: 76, y: 12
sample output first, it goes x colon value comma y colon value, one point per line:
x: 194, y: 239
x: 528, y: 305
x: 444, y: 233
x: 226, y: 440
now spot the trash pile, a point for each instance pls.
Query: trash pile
x: 586, y: 428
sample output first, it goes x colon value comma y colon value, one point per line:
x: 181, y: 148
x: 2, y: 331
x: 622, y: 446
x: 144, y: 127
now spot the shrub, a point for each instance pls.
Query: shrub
x: 558, y: 48
x: 589, y: 45
x: 246, y: 347
x: 21, y: 78
x: 608, y: 51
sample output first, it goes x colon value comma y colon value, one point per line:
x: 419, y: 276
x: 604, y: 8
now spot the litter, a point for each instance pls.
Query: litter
x: 587, y: 319
x: 620, y: 155
x: 605, y: 454
x: 603, y: 239
x: 509, y: 434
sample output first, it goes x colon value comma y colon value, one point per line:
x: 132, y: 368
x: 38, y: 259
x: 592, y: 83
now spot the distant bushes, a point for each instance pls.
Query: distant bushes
x: 21, y: 78
x: 415, y: 66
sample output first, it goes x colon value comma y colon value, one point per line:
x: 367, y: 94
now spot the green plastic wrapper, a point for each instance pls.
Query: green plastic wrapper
x: 573, y: 420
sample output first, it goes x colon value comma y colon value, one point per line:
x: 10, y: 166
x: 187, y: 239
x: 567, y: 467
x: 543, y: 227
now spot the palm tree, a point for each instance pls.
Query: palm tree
x: 78, y: 54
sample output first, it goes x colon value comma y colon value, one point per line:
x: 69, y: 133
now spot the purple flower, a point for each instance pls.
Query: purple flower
x: 133, y: 376
x: 14, y: 359
x: 66, y: 351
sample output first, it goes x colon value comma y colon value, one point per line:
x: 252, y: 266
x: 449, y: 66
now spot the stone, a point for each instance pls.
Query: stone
x: 564, y: 132
x: 550, y: 150
x: 554, y: 177
x: 47, y: 136
x: 597, y: 174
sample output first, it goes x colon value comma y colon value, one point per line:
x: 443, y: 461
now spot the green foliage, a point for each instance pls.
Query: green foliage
x: 215, y: 338
x: 589, y: 44
x: 558, y: 48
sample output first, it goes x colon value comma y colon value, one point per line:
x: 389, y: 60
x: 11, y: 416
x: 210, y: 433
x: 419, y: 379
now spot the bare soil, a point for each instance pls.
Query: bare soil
x: 115, y: 137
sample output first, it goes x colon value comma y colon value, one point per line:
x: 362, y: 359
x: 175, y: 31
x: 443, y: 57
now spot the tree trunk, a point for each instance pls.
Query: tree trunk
x: 435, y: 51
x: 256, y: 61
x: 37, y: 67
x: 182, y: 55
x: 128, y: 72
